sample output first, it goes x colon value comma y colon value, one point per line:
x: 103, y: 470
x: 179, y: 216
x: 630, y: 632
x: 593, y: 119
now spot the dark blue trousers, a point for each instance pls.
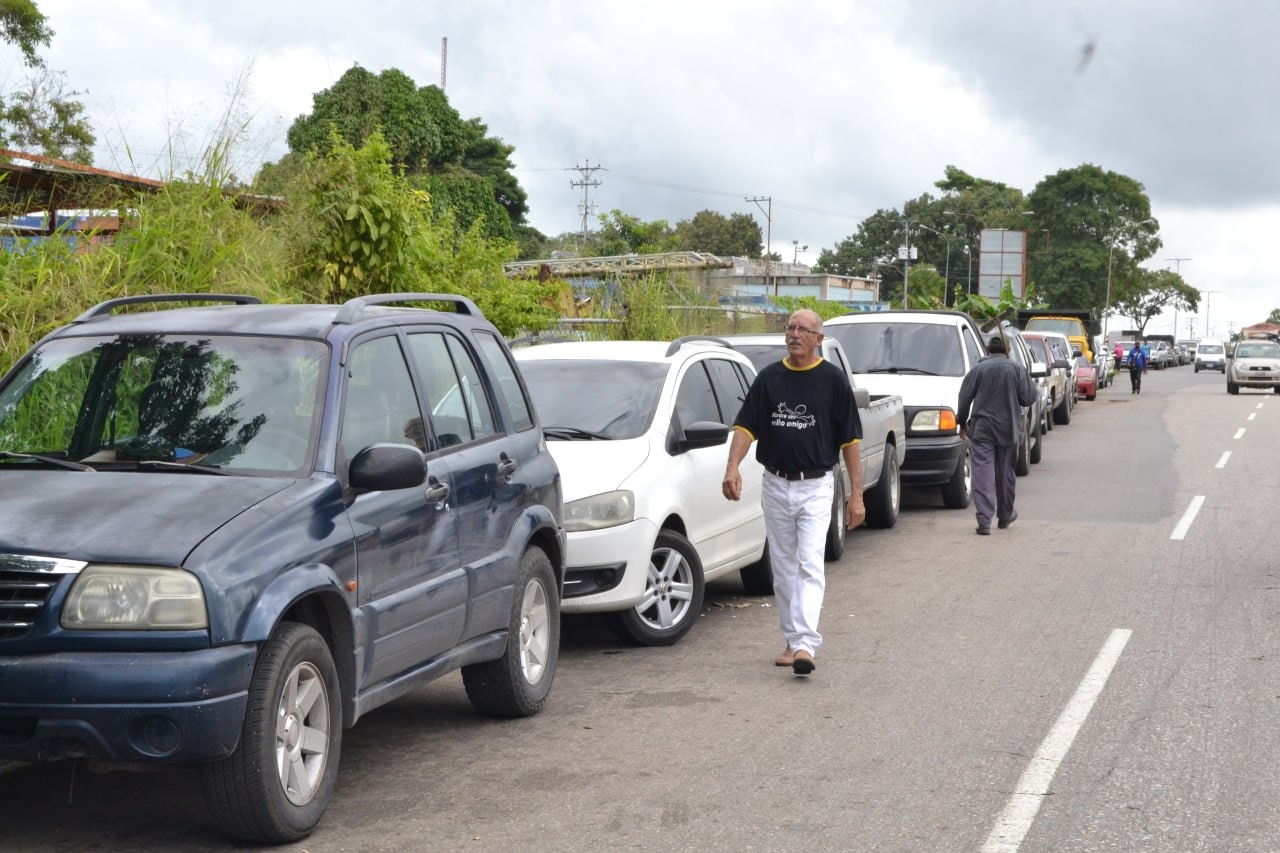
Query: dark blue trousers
x: 994, y: 480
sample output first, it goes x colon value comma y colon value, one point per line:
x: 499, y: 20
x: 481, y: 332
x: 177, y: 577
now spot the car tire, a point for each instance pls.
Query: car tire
x: 958, y: 491
x: 1037, y: 444
x: 885, y: 497
x: 836, y: 532
x: 672, y: 595
x: 1062, y: 412
x: 757, y: 578
x: 1197, y: 368
x: 1022, y: 463
x: 518, y: 683
x: 1047, y: 415
x: 1233, y: 388
x: 275, y: 786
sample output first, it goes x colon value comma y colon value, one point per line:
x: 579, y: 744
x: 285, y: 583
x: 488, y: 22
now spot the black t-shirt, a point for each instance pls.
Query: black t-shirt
x: 800, y: 418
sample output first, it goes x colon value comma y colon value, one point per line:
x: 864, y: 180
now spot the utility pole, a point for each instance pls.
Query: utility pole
x: 904, y: 255
x: 444, y: 61
x: 768, y: 248
x: 585, y: 207
x: 1178, y: 272
x: 1207, y: 293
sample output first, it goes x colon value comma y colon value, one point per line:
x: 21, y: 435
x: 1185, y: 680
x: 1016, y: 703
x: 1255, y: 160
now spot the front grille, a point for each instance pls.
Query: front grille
x: 25, y: 586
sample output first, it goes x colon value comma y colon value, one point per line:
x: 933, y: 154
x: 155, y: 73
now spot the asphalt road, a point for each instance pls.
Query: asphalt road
x: 1100, y: 676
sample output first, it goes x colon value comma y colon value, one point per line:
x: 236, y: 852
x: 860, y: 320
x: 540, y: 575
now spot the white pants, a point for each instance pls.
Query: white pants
x: 796, y: 516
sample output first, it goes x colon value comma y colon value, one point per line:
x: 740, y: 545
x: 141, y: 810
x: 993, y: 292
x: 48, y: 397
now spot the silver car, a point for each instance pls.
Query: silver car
x: 1254, y: 364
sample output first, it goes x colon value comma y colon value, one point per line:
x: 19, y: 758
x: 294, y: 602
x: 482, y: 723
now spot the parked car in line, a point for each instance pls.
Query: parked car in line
x: 1254, y: 363
x: 921, y: 356
x: 1065, y: 349
x: 640, y: 430
x: 1060, y: 380
x: 883, y: 444
x: 1161, y: 355
x: 1086, y: 378
x: 230, y: 531
x: 1211, y: 355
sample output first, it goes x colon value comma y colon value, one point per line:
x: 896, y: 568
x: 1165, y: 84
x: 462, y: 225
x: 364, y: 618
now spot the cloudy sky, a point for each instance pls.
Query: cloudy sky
x: 834, y: 108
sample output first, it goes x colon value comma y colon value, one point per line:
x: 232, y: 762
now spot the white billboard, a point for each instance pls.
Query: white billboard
x: 1002, y: 255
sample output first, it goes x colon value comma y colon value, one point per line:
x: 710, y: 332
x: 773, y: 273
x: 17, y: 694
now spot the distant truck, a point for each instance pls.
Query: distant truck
x: 1078, y: 326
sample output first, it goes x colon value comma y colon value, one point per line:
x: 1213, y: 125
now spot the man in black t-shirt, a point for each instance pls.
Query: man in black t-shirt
x: 802, y: 415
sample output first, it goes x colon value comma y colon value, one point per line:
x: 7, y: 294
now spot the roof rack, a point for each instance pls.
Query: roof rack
x: 354, y: 309
x: 689, y: 339
x: 106, y: 309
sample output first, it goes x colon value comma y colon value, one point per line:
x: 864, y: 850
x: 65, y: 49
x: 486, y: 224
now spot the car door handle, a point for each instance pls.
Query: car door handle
x: 437, y: 493
x: 506, y: 466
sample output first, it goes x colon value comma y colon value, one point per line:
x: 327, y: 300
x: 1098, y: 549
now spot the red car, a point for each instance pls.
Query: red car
x: 1086, y: 378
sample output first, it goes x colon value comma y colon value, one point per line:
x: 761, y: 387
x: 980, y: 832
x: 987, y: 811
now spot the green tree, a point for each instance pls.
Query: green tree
x: 22, y: 25
x: 426, y: 138
x: 1152, y: 293
x: 1274, y: 316
x: 41, y: 115
x: 1096, y: 219
x: 623, y: 234
x: 737, y: 235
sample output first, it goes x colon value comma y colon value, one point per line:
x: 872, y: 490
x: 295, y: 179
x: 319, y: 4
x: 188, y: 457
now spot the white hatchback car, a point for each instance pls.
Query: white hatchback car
x: 640, y: 431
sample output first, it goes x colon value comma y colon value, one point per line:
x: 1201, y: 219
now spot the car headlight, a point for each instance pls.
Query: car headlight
x: 600, y: 511
x: 135, y: 598
x: 933, y: 420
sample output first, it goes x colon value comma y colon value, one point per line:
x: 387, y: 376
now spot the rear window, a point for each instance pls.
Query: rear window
x: 1209, y: 349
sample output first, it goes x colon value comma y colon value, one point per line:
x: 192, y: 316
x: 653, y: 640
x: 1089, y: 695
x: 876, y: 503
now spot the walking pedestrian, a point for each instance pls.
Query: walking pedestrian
x: 990, y: 417
x: 801, y: 414
x: 1137, y: 367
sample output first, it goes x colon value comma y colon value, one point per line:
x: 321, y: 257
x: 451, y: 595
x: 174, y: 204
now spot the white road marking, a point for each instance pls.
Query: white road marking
x: 1259, y: 406
x: 1239, y: 433
x: 1222, y: 462
x: 1015, y: 821
x: 1180, y: 532
x: 1252, y: 415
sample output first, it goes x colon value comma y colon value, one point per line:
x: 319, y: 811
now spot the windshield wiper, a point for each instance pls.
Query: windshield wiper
x: 919, y: 370
x: 569, y: 433
x: 69, y: 464
x: 151, y: 464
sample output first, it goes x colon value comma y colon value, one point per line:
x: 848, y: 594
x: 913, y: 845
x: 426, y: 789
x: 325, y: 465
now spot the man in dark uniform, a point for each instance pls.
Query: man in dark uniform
x: 802, y: 415
x: 990, y: 417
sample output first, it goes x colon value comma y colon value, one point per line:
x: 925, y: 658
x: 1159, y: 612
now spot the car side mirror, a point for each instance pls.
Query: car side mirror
x: 702, y: 434
x: 385, y: 467
x: 1062, y: 363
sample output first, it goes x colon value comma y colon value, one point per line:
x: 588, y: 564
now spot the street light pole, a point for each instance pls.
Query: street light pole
x: 1206, y: 294
x: 1178, y: 272
x: 968, y: 284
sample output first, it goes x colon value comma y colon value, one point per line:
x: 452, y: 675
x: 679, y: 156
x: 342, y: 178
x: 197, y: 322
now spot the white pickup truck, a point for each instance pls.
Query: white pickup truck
x: 883, y: 445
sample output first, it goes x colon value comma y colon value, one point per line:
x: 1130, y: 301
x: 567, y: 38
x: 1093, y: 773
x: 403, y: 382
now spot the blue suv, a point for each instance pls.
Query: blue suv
x: 227, y: 531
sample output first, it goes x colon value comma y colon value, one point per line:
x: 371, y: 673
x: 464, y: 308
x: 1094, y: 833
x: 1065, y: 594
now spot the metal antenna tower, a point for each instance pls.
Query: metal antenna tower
x: 585, y: 208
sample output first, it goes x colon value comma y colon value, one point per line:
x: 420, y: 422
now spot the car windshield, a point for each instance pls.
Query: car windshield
x: 1257, y: 349
x: 878, y: 347
x: 605, y: 398
x: 1081, y: 361
x: 225, y: 402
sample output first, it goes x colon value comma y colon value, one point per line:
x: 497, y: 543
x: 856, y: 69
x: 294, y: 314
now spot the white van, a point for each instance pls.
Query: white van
x: 1211, y: 355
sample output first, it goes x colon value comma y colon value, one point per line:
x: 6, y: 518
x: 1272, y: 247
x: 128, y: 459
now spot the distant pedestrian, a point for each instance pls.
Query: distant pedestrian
x: 990, y: 417
x: 802, y: 415
x: 1137, y: 366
